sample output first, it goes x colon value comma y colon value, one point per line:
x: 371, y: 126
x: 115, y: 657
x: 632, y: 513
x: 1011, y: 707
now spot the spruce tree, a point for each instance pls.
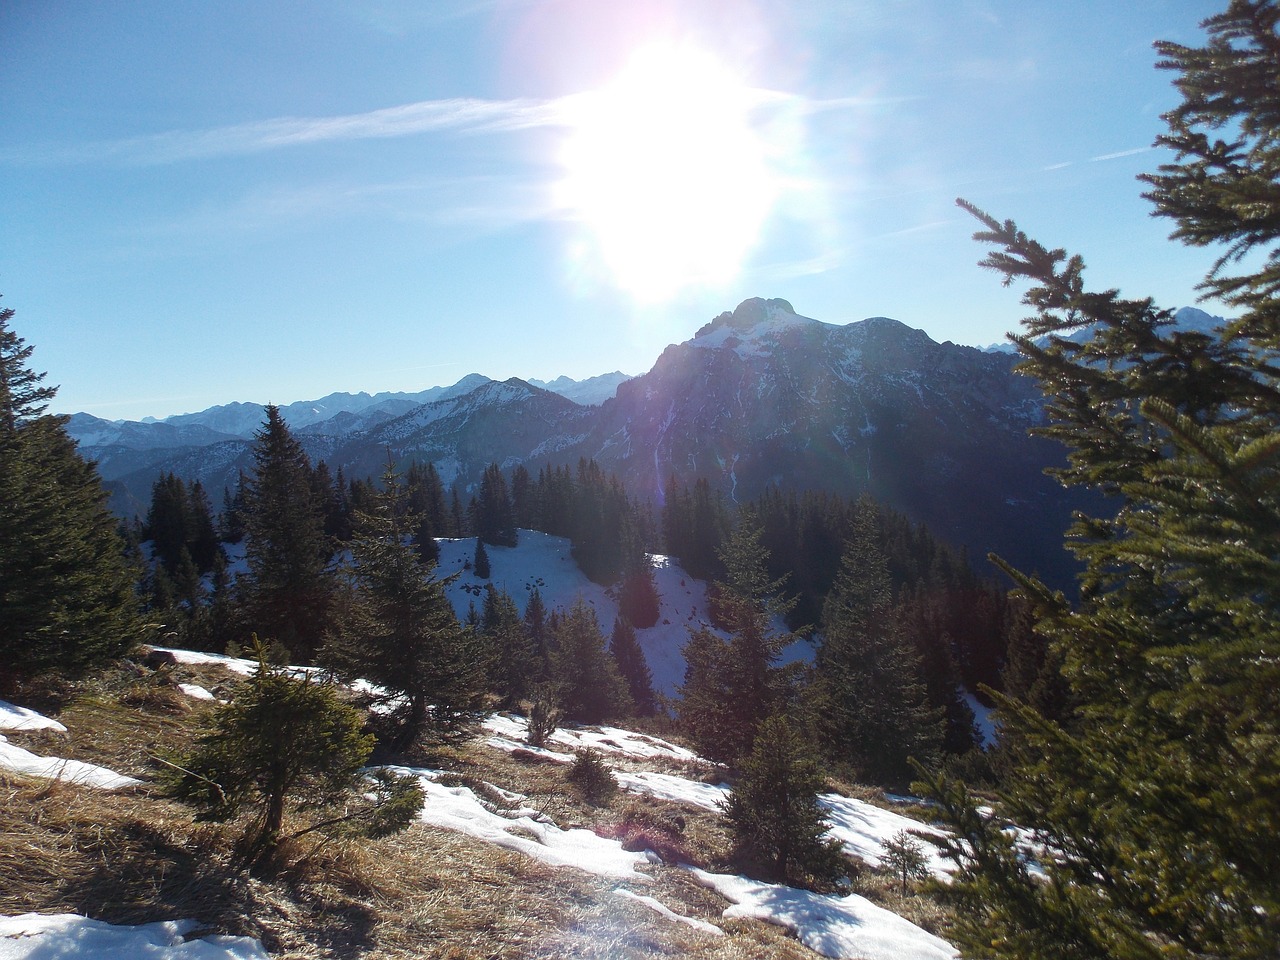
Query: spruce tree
x: 290, y: 586
x: 867, y: 698
x: 398, y: 630
x: 774, y: 815
x: 589, y: 685
x: 480, y: 562
x: 515, y: 665
x: 231, y: 521
x: 1158, y: 796
x: 285, y: 745
x: 631, y: 663
x: 731, y: 685
x: 493, y: 517
x: 67, y: 600
x: 535, y: 625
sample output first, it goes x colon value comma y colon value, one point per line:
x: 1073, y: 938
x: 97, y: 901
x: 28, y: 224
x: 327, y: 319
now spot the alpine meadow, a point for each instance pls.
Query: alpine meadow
x: 816, y: 638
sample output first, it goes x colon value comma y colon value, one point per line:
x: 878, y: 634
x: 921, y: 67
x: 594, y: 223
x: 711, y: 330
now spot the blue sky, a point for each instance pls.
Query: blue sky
x: 262, y: 201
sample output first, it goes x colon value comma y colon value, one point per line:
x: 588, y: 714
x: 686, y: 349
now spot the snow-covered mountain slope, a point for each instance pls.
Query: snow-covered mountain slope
x: 543, y: 562
x: 338, y: 414
x: 763, y: 397
x: 1185, y: 320
x: 590, y: 392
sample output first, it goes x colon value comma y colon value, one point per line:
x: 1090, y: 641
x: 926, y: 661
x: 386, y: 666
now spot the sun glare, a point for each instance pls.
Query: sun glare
x: 666, y: 173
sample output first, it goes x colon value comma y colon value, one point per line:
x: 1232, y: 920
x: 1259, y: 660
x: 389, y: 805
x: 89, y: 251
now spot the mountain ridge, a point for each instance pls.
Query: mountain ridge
x: 759, y: 398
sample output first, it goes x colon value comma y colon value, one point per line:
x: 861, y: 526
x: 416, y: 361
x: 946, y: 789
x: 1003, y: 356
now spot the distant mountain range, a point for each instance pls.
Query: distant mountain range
x: 759, y: 396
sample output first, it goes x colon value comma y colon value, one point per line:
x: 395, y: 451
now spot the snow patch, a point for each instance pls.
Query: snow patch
x: 664, y: 786
x: 661, y: 908
x: 55, y: 768
x: 842, y: 927
x: 514, y: 730
x: 13, y: 717
x: 68, y: 936
x: 862, y: 829
x: 523, y: 830
x: 982, y: 714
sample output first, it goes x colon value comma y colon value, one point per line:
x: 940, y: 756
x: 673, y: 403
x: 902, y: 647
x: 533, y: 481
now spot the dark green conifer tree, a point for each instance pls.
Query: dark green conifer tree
x: 231, y: 521
x: 731, y: 686
x: 290, y: 587
x: 492, y: 516
x: 1158, y: 796
x: 523, y: 499
x: 515, y: 666
x: 480, y: 563
x: 179, y: 518
x: 589, y: 685
x: 167, y: 519
x: 398, y: 630
x: 284, y: 745
x: 67, y: 599
x: 631, y: 663
x: 203, y: 542
x: 426, y: 507
x: 773, y: 812
x: 867, y: 697
x: 535, y: 625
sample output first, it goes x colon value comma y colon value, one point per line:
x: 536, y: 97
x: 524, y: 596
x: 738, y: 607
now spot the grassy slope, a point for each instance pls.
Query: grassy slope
x: 134, y: 856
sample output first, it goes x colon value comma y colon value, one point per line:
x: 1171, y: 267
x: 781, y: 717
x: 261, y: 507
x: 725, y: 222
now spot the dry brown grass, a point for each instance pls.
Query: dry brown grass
x: 135, y: 856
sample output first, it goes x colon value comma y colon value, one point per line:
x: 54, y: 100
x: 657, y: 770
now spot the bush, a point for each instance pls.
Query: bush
x: 591, y: 775
x: 544, y: 717
x: 288, y: 743
x: 905, y: 857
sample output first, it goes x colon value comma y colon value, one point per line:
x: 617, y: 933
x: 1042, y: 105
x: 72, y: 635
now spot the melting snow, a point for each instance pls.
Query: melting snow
x: 863, y: 828
x: 51, y: 768
x: 659, y: 907
x: 677, y: 789
x: 457, y: 808
x: 196, y: 691
x: 55, y: 768
x: 68, y: 936
x: 841, y: 927
x: 982, y: 714
x: 513, y: 729
x: 20, y: 718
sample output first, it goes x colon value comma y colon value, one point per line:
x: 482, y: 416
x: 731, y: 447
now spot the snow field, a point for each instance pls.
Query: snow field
x: 863, y: 828
x: 514, y: 728
x: 546, y: 562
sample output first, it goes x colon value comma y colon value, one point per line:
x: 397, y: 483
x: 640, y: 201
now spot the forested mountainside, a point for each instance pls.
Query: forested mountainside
x: 760, y: 397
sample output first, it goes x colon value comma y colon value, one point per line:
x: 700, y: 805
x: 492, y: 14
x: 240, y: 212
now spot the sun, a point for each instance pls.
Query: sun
x: 666, y: 173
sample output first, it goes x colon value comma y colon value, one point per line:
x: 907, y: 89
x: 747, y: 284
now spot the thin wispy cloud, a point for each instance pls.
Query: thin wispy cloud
x: 463, y: 115
x: 1101, y: 158
x: 1122, y: 153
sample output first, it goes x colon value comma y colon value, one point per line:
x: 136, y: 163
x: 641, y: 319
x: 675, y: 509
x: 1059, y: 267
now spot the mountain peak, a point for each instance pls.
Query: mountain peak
x: 752, y: 314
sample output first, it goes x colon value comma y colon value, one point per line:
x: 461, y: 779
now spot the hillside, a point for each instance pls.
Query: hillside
x: 507, y: 858
x: 544, y: 562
